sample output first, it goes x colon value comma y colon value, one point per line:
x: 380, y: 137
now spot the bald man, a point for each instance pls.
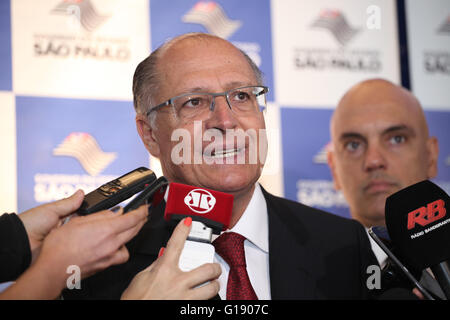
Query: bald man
x: 289, y: 250
x: 380, y: 145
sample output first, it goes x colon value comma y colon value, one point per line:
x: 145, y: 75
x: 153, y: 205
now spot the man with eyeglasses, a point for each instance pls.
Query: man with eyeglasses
x: 198, y: 83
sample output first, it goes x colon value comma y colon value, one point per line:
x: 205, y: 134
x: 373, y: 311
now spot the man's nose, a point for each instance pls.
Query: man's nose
x: 222, y: 116
x: 375, y: 158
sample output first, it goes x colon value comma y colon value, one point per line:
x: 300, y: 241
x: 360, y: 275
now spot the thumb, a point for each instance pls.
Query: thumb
x: 68, y: 205
x: 176, y: 242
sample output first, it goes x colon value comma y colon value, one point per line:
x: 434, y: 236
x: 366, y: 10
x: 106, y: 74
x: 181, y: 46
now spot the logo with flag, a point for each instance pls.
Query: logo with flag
x: 83, y: 11
x: 83, y: 147
x: 210, y: 15
x: 321, y: 156
x: 336, y: 23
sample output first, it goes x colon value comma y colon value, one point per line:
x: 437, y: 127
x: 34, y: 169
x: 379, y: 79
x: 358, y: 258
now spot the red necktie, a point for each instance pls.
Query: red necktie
x: 230, y: 246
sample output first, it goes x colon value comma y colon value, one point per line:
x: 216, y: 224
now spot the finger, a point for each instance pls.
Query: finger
x: 99, y: 215
x: 206, y: 291
x: 129, y: 234
x: 104, y: 214
x: 66, y: 206
x: 118, y: 222
x: 176, y: 242
x: 418, y: 294
x: 121, y: 256
x: 122, y: 222
x: 206, y: 272
x: 118, y: 257
x: 150, y: 267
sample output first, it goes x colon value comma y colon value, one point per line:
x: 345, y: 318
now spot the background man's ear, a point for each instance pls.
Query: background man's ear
x: 433, y: 153
x: 331, y: 164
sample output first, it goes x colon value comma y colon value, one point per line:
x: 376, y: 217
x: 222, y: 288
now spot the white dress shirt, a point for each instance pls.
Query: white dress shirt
x: 253, y: 225
x: 379, y: 253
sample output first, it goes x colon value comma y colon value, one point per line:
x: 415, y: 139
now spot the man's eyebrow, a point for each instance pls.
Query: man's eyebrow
x: 228, y: 86
x: 194, y: 89
x: 400, y: 127
x: 391, y: 129
x: 351, y: 135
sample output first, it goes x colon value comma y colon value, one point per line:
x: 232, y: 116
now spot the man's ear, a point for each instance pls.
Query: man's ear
x: 331, y: 164
x: 433, y: 153
x: 147, y: 134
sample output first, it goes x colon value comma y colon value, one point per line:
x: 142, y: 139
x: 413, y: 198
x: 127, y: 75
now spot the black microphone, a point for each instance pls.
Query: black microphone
x: 419, y: 226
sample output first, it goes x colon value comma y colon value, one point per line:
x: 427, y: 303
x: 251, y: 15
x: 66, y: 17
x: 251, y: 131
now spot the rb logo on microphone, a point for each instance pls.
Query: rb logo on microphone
x: 426, y: 215
x: 200, y: 201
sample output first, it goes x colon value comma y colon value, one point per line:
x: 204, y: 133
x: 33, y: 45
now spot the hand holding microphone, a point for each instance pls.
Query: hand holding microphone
x: 186, y: 270
x: 163, y: 279
x: 211, y: 212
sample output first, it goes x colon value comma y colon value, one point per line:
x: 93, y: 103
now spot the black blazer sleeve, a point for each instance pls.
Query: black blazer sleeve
x: 15, y: 252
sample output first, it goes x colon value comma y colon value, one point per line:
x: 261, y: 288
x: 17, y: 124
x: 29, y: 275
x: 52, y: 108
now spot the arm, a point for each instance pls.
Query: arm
x: 39, y: 221
x: 21, y: 235
x: 15, y: 254
x: 92, y: 243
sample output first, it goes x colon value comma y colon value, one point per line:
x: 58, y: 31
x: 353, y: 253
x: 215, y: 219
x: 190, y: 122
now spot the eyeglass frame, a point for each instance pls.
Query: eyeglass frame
x: 265, y: 90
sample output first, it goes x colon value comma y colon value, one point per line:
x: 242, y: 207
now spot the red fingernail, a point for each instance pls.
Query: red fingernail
x: 161, y: 251
x: 188, y: 221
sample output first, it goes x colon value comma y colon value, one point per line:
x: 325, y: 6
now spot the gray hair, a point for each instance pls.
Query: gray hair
x: 146, y: 76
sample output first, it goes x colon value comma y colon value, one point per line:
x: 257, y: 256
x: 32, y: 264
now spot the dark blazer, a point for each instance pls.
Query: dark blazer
x: 312, y: 255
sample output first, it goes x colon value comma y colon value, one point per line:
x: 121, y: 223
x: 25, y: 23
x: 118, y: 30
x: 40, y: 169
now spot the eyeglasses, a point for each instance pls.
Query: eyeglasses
x: 242, y: 101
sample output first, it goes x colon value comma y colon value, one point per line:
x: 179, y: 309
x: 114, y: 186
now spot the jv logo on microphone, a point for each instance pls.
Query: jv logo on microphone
x: 200, y: 201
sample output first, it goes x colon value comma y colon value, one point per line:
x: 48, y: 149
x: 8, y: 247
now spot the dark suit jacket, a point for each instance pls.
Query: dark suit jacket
x: 312, y: 255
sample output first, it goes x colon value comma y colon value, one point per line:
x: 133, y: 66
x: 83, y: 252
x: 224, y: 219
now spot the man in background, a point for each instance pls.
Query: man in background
x: 380, y: 145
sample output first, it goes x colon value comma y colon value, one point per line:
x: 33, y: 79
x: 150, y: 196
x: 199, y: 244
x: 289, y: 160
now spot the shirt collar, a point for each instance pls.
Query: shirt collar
x: 253, y: 224
x: 379, y: 253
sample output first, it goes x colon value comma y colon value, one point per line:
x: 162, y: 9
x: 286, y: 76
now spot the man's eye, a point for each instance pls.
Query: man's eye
x: 352, y: 146
x: 194, y: 102
x: 397, y: 139
x: 241, y: 96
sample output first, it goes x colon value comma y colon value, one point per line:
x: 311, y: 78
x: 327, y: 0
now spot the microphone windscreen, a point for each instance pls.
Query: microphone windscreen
x: 418, y: 224
x: 211, y: 207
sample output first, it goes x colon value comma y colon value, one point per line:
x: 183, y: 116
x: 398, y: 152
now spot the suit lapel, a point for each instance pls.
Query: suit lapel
x: 290, y: 258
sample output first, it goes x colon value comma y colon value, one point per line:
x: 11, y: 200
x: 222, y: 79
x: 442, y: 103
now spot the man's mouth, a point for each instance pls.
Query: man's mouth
x: 378, y: 186
x: 218, y: 154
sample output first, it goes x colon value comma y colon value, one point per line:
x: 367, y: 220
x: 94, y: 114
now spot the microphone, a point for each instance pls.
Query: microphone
x: 212, y: 208
x: 395, y: 272
x: 419, y: 226
x: 210, y: 211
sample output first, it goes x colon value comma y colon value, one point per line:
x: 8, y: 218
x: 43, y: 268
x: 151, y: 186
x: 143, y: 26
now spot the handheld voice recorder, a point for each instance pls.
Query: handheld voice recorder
x: 116, y: 191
